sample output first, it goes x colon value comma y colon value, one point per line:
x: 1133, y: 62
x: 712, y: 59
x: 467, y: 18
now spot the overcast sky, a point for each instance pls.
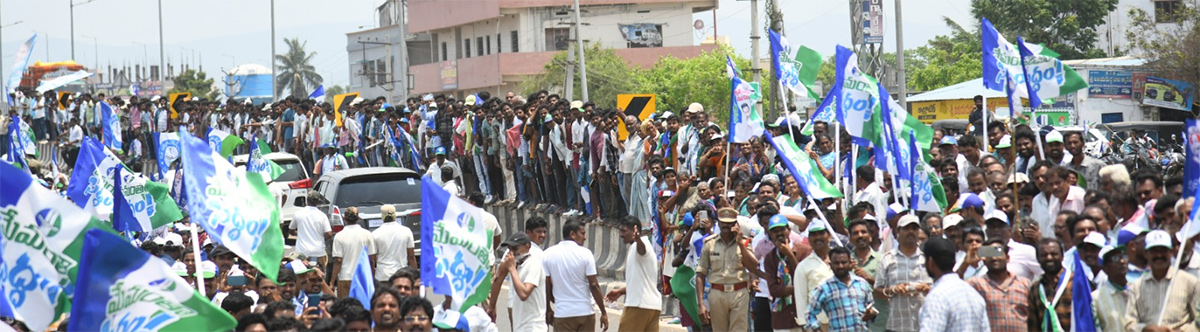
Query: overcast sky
x: 220, y: 33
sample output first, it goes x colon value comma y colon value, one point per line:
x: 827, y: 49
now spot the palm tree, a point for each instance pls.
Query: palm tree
x: 294, y: 70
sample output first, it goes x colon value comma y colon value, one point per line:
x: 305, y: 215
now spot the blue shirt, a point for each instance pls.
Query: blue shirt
x: 843, y: 303
x: 288, y: 116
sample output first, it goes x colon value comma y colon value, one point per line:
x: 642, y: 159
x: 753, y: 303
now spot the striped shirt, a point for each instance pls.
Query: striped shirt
x: 895, y: 268
x: 1007, y: 301
x: 843, y: 303
x: 952, y: 305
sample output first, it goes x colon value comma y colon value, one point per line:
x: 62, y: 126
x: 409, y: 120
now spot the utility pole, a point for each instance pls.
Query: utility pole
x: 754, y: 36
x: 901, y: 75
x: 403, y: 23
x: 775, y: 21
x: 162, y: 52
x: 274, y: 89
x: 569, y: 80
x: 72, y: 4
x: 583, y: 82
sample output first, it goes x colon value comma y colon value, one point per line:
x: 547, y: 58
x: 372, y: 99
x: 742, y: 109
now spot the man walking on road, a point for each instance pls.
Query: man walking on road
x: 347, y: 246
x: 312, y: 229
x: 642, y: 300
x: 724, y: 263
x: 570, y: 276
x: 394, y: 244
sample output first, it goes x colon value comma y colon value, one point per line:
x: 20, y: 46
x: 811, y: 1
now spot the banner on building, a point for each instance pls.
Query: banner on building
x: 1166, y: 93
x: 1115, y: 84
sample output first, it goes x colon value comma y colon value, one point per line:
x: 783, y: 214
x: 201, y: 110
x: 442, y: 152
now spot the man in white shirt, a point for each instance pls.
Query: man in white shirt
x: 312, y: 228
x: 528, y: 300
x: 571, y: 275
x: 1040, y: 209
x: 440, y: 161
x: 395, y: 245
x: 332, y: 161
x: 643, y: 302
x: 347, y: 246
x: 869, y: 191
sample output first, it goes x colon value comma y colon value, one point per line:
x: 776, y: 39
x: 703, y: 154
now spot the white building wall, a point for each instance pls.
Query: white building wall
x: 1093, y: 109
x: 1111, y: 35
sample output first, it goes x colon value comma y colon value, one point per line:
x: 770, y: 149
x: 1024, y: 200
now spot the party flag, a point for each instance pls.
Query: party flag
x: 122, y: 288
x: 803, y: 168
x: 745, y: 121
x: 223, y: 142
x: 234, y: 206
x: 40, y: 249
x: 362, y: 284
x: 168, y: 151
x: 94, y: 179
x: 453, y: 231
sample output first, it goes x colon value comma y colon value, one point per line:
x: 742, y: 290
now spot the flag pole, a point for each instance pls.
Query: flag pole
x: 822, y: 215
x: 196, y: 256
x: 984, y: 112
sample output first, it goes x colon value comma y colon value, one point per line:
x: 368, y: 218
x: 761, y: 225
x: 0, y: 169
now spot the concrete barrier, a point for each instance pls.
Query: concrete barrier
x: 603, y: 239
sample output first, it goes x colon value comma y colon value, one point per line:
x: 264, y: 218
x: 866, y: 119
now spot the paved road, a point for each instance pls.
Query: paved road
x: 504, y: 324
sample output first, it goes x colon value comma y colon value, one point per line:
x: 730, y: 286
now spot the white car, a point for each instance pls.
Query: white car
x: 290, y: 188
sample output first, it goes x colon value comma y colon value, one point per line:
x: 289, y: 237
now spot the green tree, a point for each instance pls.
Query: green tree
x: 1067, y: 27
x: 196, y: 83
x: 702, y: 79
x: 608, y: 76
x: 294, y: 70
x: 946, y: 60
x: 336, y: 90
x: 1171, y: 50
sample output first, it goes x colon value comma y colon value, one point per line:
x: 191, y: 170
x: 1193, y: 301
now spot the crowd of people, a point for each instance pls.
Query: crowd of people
x: 1021, y: 211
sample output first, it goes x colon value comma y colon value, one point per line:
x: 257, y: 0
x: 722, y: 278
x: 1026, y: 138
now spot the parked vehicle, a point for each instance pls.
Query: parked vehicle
x: 368, y: 189
x: 290, y: 188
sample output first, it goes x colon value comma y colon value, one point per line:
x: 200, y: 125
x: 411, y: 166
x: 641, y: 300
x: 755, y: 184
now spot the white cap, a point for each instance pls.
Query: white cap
x: 695, y: 108
x: 996, y: 214
x: 267, y: 107
x: 207, y: 269
x: 1104, y: 251
x: 155, y: 98
x: 173, y: 239
x: 1018, y: 178
x: 356, y: 101
x: 1097, y: 239
x: 1054, y: 136
x: 1158, y: 238
x: 951, y: 221
x: 906, y: 220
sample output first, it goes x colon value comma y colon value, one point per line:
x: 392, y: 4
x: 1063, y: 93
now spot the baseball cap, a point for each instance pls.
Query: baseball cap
x: 356, y: 101
x: 695, y: 108
x: 1128, y: 233
x: 948, y: 140
x: 518, y: 238
x: 387, y: 210
x: 817, y: 225
x: 577, y: 105
x: 1158, y: 238
x: 220, y: 250
x: 996, y: 215
x: 180, y: 268
x: 298, y: 267
x: 1096, y: 239
x: 779, y: 221
x: 970, y: 201
x: 207, y: 269
x: 470, y: 100
x: 907, y: 220
x: 440, y: 150
x: 951, y: 220
x: 1107, y: 249
x: 895, y: 209
x: 687, y: 220
x: 1005, y: 142
x: 770, y: 178
x: 1054, y: 137
x: 666, y: 115
x: 727, y: 215
x: 717, y: 136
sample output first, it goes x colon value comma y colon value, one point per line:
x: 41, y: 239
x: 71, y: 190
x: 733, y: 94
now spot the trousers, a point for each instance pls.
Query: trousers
x: 727, y: 310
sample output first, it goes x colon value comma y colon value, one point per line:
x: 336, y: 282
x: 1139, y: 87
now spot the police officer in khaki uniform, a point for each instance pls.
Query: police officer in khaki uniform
x: 728, y: 265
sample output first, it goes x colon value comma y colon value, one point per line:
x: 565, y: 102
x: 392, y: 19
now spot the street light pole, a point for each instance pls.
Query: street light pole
x: 274, y: 89
x: 72, y: 5
x: 162, y: 53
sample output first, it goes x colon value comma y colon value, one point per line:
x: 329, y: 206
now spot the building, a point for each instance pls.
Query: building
x: 462, y: 47
x: 1111, y: 37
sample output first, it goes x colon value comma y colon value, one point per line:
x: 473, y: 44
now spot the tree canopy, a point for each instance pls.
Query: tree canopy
x: 294, y: 70
x: 1171, y: 50
x: 1067, y: 27
x: 196, y: 83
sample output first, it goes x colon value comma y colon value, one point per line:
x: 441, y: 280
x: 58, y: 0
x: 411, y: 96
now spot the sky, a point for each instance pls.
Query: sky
x: 217, y: 34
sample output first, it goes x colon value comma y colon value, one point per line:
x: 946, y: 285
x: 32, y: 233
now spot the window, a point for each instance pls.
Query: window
x: 557, y: 39
x: 368, y: 73
x: 381, y: 73
x: 467, y: 48
x: 479, y: 42
x: 1167, y: 11
x: 489, y: 44
x: 499, y: 46
x: 443, y: 51
x: 513, y: 40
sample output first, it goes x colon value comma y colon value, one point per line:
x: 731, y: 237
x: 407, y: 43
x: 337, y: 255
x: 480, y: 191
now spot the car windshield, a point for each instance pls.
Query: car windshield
x: 292, y: 170
x: 376, y: 189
